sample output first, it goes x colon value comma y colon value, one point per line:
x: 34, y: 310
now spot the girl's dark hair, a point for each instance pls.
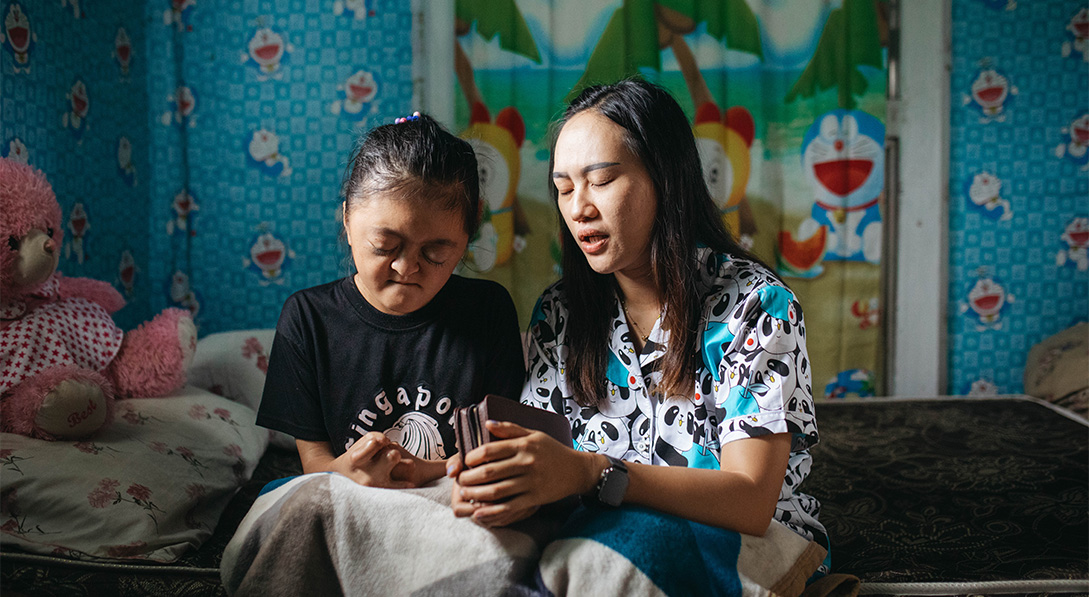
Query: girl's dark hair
x: 657, y: 131
x: 416, y: 160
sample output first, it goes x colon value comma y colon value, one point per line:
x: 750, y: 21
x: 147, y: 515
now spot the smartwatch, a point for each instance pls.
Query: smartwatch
x: 613, y: 483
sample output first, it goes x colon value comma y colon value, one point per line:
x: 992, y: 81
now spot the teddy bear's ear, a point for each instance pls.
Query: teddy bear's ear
x: 26, y: 200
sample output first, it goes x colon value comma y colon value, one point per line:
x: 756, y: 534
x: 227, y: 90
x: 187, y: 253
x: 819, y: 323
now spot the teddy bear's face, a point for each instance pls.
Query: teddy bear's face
x: 30, y: 229
x: 36, y: 256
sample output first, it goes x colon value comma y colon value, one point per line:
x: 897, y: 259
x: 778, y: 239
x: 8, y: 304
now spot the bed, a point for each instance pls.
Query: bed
x: 938, y: 496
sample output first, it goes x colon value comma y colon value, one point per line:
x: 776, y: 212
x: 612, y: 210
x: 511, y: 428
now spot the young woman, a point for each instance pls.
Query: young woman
x: 679, y: 359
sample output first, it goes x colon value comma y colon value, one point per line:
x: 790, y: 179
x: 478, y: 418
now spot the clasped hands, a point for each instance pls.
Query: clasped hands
x: 375, y: 460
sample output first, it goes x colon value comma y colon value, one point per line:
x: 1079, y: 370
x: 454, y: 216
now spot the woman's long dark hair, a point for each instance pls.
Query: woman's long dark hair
x: 657, y: 131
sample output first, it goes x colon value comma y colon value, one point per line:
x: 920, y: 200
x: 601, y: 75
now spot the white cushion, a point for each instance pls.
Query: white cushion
x: 151, y: 486
x: 233, y: 365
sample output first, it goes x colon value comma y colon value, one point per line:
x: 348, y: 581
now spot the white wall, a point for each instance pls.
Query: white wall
x: 919, y: 338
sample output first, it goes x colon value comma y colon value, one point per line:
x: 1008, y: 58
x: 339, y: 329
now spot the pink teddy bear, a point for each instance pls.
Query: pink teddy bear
x: 64, y: 361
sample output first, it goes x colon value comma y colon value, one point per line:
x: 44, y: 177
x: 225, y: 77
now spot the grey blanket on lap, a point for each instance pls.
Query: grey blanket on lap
x: 323, y: 534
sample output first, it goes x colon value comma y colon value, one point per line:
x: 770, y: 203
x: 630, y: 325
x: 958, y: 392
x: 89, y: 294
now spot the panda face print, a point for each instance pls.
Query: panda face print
x: 799, y: 401
x: 724, y: 300
x: 605, y: 434
x: 677, y: 424
x: 641, y: 437
x: 619, y: 401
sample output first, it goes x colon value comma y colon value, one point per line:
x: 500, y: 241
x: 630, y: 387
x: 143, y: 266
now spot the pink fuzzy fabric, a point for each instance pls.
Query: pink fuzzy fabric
x: 150, y: 362
x: 26, y: 201
x: 95, y: 291
x: 19, y: 410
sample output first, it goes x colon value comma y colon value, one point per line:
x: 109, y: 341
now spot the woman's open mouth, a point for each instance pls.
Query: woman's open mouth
x: 593, y: 242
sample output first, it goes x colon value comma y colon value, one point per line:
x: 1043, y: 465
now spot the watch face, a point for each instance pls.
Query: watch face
x: 613, y: 486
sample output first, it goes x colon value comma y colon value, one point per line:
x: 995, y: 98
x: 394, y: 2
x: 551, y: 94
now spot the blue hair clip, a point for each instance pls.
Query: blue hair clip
x: 415, y: 116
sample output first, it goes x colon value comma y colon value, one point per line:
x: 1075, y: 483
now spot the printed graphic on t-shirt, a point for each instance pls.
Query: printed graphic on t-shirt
x: 411, y: 421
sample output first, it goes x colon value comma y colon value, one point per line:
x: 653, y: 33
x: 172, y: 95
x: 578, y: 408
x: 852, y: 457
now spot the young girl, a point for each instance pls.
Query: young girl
x: 678, y: 358
x: 365, y: 371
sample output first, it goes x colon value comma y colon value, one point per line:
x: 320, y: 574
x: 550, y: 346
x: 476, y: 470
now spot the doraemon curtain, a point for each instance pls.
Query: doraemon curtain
x: 786, y: 99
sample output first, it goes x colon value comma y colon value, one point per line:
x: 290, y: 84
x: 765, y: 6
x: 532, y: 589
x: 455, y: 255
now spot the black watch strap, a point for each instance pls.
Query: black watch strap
x: 613, y: 483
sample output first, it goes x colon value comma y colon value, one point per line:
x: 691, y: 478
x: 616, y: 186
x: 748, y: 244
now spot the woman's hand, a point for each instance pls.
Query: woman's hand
x: 511, y: 477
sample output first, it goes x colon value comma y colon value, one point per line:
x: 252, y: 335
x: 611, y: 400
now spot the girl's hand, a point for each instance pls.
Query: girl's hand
x: 414, y: 470
x: 371, y: 461
x: 514, y: 475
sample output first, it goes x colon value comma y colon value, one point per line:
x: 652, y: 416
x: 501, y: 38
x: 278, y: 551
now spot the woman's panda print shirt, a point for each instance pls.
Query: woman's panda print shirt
x: 754, y: 380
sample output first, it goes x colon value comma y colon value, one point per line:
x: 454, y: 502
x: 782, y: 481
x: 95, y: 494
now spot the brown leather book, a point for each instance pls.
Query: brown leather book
x: 471, y: 432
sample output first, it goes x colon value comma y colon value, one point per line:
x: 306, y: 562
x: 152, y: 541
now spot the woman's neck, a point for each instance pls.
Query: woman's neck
x: 640, y: 293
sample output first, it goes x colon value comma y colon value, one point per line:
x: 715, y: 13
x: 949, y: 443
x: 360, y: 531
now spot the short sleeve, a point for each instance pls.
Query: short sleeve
x: 544, y: 387
x: 764, y: 382
x: 290, y: 402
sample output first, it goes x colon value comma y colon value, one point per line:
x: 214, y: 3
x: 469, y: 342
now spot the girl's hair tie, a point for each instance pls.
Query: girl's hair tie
x: 415, y: 116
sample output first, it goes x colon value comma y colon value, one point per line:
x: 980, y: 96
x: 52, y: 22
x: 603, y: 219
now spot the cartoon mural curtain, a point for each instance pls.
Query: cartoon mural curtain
x: 787, y: 102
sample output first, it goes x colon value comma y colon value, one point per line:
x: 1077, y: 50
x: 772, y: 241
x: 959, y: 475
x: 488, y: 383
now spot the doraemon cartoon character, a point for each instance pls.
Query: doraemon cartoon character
x: 126, y: 272
x: 181, y: 294
x: 16, y: 150
x: 724, y: 142
x: 77, y: 13
x: 183, y: 102
x: 359, y: 90
x: 79, y: 105
x: 850, y: 383
x: 497, y: 148
x: 183, y: 205
x: 178, y: 14
x: 358, y: 8
x: 1076, y: 252
x: 800, y: 254
x: 122, y: 50
x: 867, y: 313
x: 982, y: 387
x: 18, y: 36
x: 1000, y: 4
x: 843, y: 158
x: 1075, y: 149
x: 991, y: 93
x: 268, y: 51
x: 986, y: 301
x: 1079, y: 28
x: 78, y: 225
x: 264, y: 152
x: 125, y: 167
x: 984, y: 193
x: 268, y: 257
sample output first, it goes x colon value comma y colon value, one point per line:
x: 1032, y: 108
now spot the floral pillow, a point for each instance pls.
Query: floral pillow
x: 1057, y: 369
x: 151, y: 486
x: 234, y: 365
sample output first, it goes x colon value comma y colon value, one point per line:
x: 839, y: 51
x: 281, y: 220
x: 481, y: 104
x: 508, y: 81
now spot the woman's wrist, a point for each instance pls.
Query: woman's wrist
x: 594, y: 464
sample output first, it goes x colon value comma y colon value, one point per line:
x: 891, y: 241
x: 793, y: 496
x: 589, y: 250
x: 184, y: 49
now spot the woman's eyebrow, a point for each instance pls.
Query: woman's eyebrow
x: 587, y: 169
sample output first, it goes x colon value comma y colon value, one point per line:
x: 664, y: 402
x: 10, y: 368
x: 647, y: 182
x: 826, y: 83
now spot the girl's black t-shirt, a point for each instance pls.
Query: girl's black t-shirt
x: 339, y: 368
